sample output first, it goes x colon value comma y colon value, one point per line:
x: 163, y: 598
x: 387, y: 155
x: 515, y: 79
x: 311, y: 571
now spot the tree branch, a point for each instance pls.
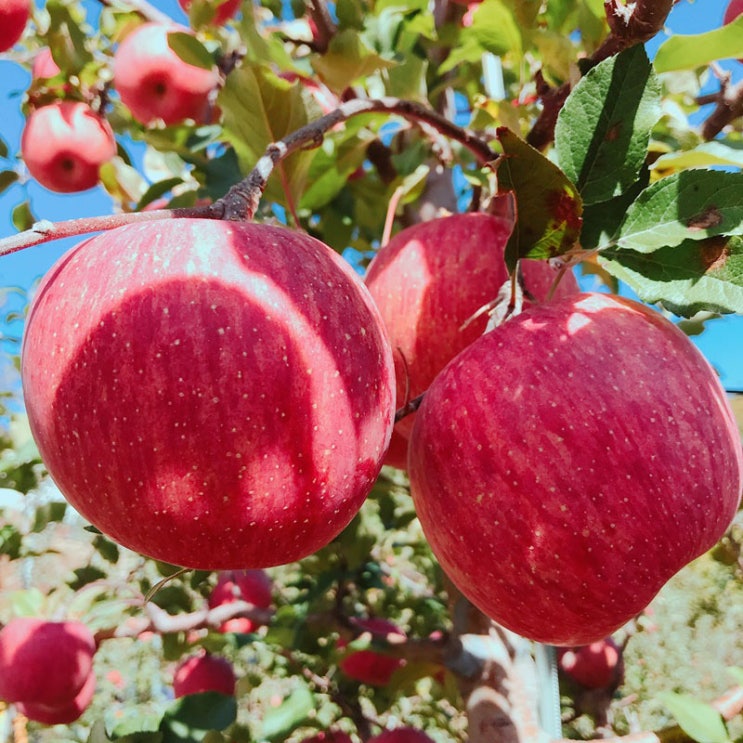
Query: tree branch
x: 630, y: 24
x: 728, y: 108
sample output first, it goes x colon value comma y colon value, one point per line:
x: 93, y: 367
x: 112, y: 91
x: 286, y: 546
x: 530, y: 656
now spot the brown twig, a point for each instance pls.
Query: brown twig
x: 728, y: 108
x: 324, y: 29
x: 630, y: 24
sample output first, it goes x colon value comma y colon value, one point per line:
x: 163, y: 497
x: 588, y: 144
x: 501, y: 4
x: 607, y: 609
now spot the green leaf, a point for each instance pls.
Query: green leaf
x: 3, y: 148
x: 48, y: 513
x: 548, y: 205
x: 703, y: 156
x: 156, y: 190
x: 66, y: 37
x: 603, y: 130
x: 687, y: 278
x: 107, y: 549
x: 347, y: 59
x: 190, y: 717
x: 698, y: 50
x: 7, y: 179
x: 25, y: 603
x: 279, y: 722
x: 190, y: 49
x: 698, y: 720
x: 22, y: 217
x: 11, y: 541
x: 260, y: 108
x: 98, y: 734
x: 690, y: 205
x: 85, y: 576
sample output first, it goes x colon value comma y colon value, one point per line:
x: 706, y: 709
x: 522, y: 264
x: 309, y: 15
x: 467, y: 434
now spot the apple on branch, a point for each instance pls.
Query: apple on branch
x: 14, y: 15
x: 155, y: 83
x: 401, y: 735
x: 253, y: 586
x: 594, y: 666
x: 204, y: 672
x: 581, y: 444
x: 65, y: 144
x: 226, y: 399
x: 371, y: 666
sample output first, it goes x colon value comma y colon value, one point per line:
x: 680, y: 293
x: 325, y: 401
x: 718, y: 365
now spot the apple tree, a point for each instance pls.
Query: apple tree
x: 370, y: 411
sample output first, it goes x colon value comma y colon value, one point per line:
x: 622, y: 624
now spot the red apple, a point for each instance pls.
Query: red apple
x: 61, y: 714
x: 732, y: 11
x: 223, y: 10
x: 430, y: 279
x: 595, y: 666
x: 330, y: 736
x: 44, y: 663
x: 14, y: 15
x: 64, y: 145
x: 204, y: 672
x: 401, y: 735
x: 583, y: 444
x: 370, y: 666
x: 253, y: 586
x: 155, y: 83
x: 397, y: 454
x: 44, y: 65
x: 224, y: 401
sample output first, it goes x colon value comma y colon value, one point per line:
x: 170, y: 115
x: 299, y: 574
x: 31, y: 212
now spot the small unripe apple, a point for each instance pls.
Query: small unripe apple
x: 595, y: 666
x: 64, y: 145
x: 63, y: 713
x: 44, y: 65
x: 401, y: 735
x: 582, y: 444
x: 253, y: 586
x: 44, y: 663
x: 226, y: 398
x: 224, y: 10
x: 204, y: 672
x: 370, y: 666
x: 431, y: 279
x: 14, y: 15
x: 155, y: 83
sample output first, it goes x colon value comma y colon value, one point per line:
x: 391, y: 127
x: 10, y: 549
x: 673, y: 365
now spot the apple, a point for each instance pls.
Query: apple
x: 732, y: 11
x: 155, y: 83
x: 44, y: 663
x: 224, y: 401
x: 204, y: 672
x: 330, y: 736
x: 44, y: 65
x: 14, y: 15
x: 370, y: 666
x: 223, y: 11
x: 253, y: 586
x: 64, y: 713
x: 64, y: 145
x: 430, y: 279
x: 401, y: 735
x: 569, y: 462
x: 595, y: 666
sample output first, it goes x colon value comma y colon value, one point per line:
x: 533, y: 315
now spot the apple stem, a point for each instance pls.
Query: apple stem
x: 410, y: 407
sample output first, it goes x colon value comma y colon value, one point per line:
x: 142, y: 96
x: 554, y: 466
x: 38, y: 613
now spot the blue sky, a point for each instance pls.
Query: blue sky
x: 722, y: 341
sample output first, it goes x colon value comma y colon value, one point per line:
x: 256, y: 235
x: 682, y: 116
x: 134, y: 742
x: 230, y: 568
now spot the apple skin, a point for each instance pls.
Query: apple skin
x: 594, y: 666
x: 204, y: 672
x: 44, y: 65
x: 401, y: 735
x: 62, y: 714
x: 369, y: 666
x: 253, y: 586
x: 433, y: 277
x: 224, y: 401
x: 583, y: 444
x: 223, y: 11
x: 64, y: 145
x: 44, y: 663
x: 155, y: 83
x: 732, y: 11
x: 14, y: 15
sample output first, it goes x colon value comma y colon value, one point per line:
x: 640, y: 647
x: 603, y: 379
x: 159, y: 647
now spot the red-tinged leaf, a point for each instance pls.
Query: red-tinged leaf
x: 548, y: 205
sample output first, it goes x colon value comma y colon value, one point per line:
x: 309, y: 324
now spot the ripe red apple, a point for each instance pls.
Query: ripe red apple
x: 401, y: 735
x: 732, y: 11
x: 224, y: 401
x: 14, y: 15
x: 583, y: 444
x: 329, y: 736
x: 64, y: 713
x: 44, y: 663
x: 64, y: 145
x: 155, y: 83
x: 430, y: 279
x: 223, y: 10
x: 595, y: 666
x: 204, y: 672
x: 370, y: 666
x: 44, y: 65
x: 253, y: 586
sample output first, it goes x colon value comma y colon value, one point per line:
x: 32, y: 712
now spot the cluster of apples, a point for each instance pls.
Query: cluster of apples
x: 46, y: 668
